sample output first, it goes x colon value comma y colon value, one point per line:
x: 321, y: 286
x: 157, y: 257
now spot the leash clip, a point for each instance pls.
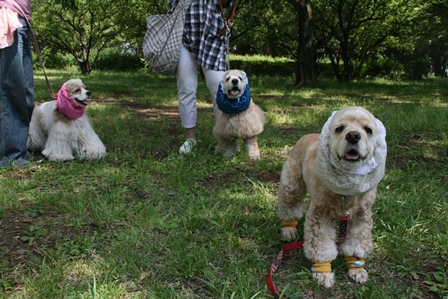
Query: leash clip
x: 344, y: 215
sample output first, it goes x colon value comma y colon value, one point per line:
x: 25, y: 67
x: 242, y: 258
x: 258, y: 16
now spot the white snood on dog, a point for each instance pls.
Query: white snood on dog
x: 350, y: 181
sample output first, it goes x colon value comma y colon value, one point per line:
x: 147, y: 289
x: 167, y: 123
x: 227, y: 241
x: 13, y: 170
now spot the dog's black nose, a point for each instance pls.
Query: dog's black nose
x: 353, y: 137
x: 234, y: 81
x: 88, y: 93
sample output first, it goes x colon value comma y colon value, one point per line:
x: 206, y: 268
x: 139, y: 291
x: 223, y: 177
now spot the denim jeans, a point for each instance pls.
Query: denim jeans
x: 16, y: 96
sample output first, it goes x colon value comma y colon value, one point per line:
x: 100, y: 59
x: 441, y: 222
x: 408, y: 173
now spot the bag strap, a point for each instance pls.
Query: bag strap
x: 186, y: 4
x: 227, y: 22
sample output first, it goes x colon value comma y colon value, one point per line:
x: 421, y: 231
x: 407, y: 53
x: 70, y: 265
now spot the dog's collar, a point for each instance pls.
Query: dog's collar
x: 67, y: 106
x: 232, y: 106
x: 350, y: 181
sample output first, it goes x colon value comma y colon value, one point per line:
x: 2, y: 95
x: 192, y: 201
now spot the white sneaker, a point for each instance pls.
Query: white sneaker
x: 187, y: 147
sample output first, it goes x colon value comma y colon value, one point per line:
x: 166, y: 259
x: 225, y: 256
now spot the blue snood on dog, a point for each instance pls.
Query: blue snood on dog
x: 233, y: 106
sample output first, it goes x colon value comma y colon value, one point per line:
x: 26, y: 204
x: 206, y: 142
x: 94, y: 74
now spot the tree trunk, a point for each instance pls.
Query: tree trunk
x: 305, y: 68
x: 85, y: 67
x: 438, y: 62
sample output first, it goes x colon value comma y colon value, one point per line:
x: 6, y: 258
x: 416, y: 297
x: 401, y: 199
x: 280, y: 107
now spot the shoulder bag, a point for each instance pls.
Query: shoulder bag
x: 163, y: 38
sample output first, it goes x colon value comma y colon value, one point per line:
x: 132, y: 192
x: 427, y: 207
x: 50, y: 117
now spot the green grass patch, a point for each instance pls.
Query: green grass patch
x: 145, y: 222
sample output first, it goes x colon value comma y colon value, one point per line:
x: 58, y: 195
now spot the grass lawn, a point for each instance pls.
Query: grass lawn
x: 145, y: 222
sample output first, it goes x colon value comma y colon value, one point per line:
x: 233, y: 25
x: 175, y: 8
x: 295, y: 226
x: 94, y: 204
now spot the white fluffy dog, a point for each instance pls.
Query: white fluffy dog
x: 60, y: 128
x: 238, y: 117
x: 340, y: 169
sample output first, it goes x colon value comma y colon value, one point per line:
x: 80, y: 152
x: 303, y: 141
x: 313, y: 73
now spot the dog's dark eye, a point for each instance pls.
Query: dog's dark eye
x: 340, y: 129
x: 227, y: 79
x: 241, y: 79
x: 368, y: 130
x: 77, y: 90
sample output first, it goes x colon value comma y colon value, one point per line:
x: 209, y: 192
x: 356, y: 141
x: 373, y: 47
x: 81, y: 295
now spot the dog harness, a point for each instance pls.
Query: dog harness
x: 67, y: 106
x: 232, y: 106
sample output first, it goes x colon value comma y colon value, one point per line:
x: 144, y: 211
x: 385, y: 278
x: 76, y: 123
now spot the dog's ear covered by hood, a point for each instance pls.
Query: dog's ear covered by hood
x: 246, y: 81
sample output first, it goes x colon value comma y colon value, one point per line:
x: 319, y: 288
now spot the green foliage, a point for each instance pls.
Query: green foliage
x: 262, y: 65
x: 84, y: 28
x: 325, y: 70
x: 417, y: 69
x: 361, y: 39
x: 53, y: 59
x: 265, y: 28
x: 116, y: 60
x: 431, y: 34
x: 352, y: 33
x: 383, y: 67
x: 32, y: 234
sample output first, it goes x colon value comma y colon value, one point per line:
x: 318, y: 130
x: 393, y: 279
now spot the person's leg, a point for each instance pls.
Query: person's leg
x: 187, y: 83
x: 212, y: 79
x: 16, y: 97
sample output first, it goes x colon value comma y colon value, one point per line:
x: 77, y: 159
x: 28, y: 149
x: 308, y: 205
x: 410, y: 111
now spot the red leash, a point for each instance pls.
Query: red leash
x: 276, y: 263
x: 343, y: 224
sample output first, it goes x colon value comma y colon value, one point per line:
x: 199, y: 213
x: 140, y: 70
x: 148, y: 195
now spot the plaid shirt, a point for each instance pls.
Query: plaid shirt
x: 25, y: 6
x: 203, y: 23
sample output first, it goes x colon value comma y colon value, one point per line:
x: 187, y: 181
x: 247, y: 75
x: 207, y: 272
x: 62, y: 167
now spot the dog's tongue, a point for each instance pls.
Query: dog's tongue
x: 234, y: 92
x: 349, y: 156
x: 87, y: 102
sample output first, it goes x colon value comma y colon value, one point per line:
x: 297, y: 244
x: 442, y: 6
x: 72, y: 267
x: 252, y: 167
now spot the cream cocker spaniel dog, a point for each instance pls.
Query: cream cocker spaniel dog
x: 238, y: 116
x: 342, y: 165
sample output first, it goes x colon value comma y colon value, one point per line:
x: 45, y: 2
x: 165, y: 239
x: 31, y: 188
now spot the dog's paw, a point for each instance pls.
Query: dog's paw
x: 229, y: 154
x: 255, y: 157
x: 359, y: 276
x: 58, y: 158
x: 289, y: 233
x: 325, y: 279
x: 54, y: 158
x: 92, y: 155
x: 219, y: 150
x: 58, y: 153
x: 92, y: 152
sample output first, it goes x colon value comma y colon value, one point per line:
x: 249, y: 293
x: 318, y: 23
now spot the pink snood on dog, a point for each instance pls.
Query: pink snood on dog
x: 67, y: 106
